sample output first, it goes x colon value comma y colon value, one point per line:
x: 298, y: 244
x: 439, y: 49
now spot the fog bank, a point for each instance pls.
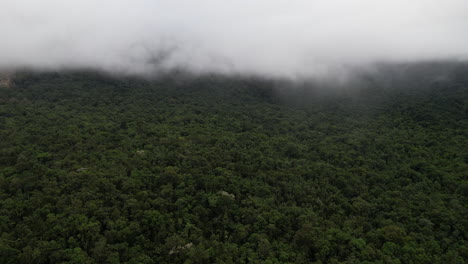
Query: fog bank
x: 274, y: 38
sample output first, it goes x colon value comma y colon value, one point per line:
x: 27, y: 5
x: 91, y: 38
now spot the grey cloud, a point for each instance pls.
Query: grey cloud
x: 282, y: 38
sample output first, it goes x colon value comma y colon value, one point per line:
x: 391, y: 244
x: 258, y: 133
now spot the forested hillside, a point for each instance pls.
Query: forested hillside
x: 212, y: 169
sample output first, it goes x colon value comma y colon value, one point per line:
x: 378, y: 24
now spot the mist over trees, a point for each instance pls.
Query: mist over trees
x: 282, y: 39
x: 234, y: 132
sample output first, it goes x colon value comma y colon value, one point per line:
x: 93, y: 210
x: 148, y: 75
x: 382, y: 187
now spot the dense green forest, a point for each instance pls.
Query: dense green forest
x: 213, y: 169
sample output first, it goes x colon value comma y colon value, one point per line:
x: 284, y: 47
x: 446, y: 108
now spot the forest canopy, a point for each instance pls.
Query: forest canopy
x: 215, y: 169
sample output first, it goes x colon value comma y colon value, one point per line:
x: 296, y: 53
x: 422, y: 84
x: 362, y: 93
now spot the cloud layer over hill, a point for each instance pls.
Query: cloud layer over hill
x: 278, y: 38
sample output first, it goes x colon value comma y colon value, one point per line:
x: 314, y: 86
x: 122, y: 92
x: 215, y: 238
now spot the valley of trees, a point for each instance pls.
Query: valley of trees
x: 212, y: 169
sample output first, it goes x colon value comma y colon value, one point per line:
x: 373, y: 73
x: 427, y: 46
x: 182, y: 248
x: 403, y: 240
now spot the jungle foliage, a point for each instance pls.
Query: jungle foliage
x: 212, y: 169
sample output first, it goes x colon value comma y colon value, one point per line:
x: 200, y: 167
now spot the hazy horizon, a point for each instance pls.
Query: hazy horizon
x: 268, y: 38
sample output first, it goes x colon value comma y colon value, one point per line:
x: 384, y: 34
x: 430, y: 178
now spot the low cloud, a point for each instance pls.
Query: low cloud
x: 276, y: 38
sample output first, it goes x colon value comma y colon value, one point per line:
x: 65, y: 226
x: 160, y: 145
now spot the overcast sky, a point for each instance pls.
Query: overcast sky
x: 270, y: 37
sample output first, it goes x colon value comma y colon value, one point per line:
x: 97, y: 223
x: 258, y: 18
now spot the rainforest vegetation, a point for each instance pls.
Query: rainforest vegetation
x: 212, y: 169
